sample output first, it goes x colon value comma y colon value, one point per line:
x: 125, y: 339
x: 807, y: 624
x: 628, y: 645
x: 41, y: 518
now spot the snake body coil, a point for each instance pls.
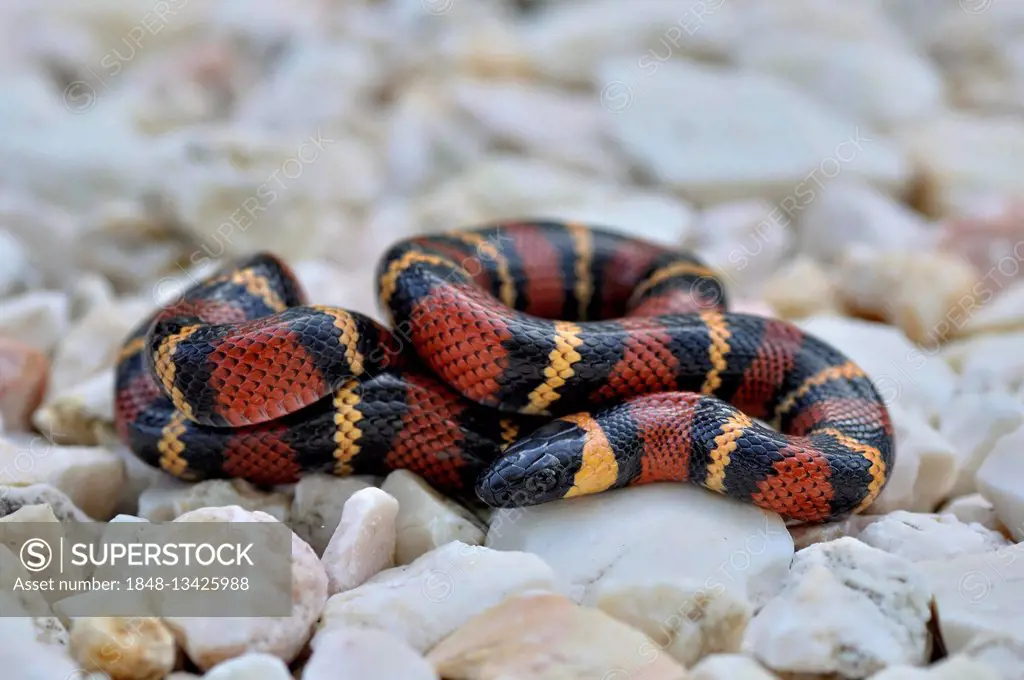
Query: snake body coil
x: 526, y: 362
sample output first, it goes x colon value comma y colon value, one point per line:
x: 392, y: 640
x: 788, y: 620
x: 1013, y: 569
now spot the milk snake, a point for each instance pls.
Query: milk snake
x: 525, y: 362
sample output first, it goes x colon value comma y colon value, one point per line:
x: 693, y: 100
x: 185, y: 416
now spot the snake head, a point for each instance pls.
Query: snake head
x: 536, y: 469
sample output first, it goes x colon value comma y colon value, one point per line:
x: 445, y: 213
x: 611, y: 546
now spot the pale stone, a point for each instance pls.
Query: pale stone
x: 900, y: 370
x: 38, y: 319
x: 686, y: 621
x: 364, y: 542
x: 89, y: 476
x: 35, y: 660
x: 973, y: 509
x: 627, y: 539
x: 23, y: 603
x: 252, y: 666
x: 951, y: 668
x: 318, y: 503
x: 801, y: 288
x: 125, y: 648
x: 357, y: 653
x: 262, y: 188
x: 665, y: 219
x: 974, y: 424
x: 157, y: 502
x: 426, y: 519
x: 79, y: 414
x: 1005, y: 311
x: 547, y: 636
x: 543, y: 122
x: 24, y: 372
x: 882, y: 85
x: 925, y: 468
x: 92, y: 291
x: 849, y: 213
x: 988, y: 363
x: 1003, y: 652
x: 215, y: 493
x: 809, y: 534
x: 963, y: 158
x: 989, y: 234
x: 977, y: 594
x: 209, y: 641
x: 16, y: 270
x: 847, y: 609
x: 729, y: 667
x: 918, y: 536
x: 789, y: 145
x: 93, y: 343
x: 744, y: 241
x: 568, y: 41
x: 999, y: 480
x: 425, y: 601
x: 927, y: 294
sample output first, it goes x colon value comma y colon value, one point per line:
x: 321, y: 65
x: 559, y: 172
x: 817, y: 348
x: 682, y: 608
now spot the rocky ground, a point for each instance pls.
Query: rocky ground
x: 852, y: 166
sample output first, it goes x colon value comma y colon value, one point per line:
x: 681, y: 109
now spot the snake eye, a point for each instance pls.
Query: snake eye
x: 542, y: 480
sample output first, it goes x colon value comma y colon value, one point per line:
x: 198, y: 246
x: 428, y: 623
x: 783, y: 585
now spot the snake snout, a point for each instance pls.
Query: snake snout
x: 536, y: 469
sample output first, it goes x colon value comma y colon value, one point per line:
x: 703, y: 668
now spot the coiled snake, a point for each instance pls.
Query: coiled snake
x: 525, y: 362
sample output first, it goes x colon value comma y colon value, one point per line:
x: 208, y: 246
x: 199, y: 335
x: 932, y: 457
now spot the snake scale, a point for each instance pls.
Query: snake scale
x: 524, y: 362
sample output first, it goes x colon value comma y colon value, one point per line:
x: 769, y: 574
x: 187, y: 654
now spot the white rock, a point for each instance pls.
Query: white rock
x: 901, y: 371
x: 620, y: 552
x: 729, y: 667
x: 925, y: 467
x: 543, y: 122
x: 79, y: 414
x: 34, y: 660
x: 656, y: 217
x: 918, y: 536
x: 252, y: 666
x: 973, y: 509
x: 15, y: 498
x: 801, y: 288
x: 567, y: 42
x: 927, y: 294
x: 93, y: 343
x: 89, y: 476
x: 137, y: 648
x: 548, y: 636
x: 1001, y: 314
x: 988, y: 363
x: 209, y: 641
x: 426, y: 519
x: 952, y: 668
x: 974, y: 424
x: 999, y: 480
x: 625, y: 538
x: 847, y: 609
x: 848, y: 213
x: 216, y: 493
x: 745, y: 241
x: 38, y: 319
x: 157, y: 502
x: 976, y: 594
x: 425, y: 601
x: 798, y: 144
x: 965, y: 158
x: 686, y: 621
x: 17, y: 270
x: 24, y: 372
x: 317, y: 506
x: 92, y: 291
x: 1004, y: 653
x: 878, y: 84
x: 364, y: 542
x: 356, y: 653
x: 809, y: 534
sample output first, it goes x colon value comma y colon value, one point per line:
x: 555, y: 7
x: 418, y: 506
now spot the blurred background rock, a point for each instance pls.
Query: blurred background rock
x: 829, y: 158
